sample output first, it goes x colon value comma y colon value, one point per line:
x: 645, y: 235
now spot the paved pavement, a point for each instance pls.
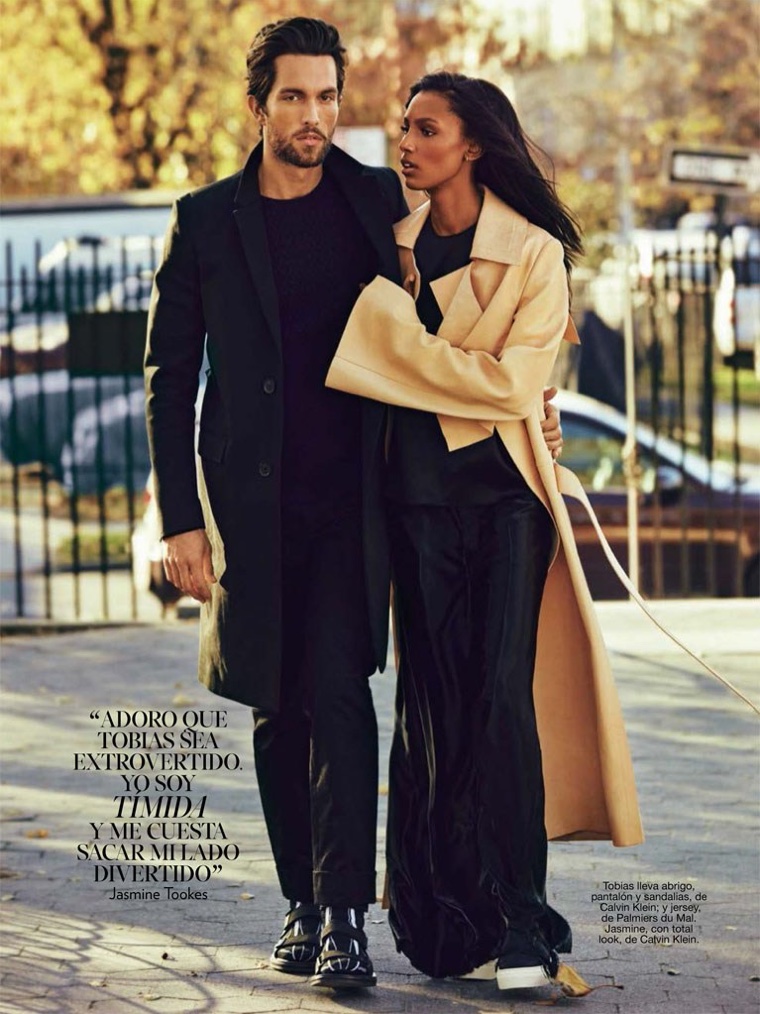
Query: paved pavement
x: 69, y: 946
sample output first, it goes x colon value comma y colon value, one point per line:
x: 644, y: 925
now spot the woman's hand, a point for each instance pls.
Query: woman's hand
x: 551, y: 427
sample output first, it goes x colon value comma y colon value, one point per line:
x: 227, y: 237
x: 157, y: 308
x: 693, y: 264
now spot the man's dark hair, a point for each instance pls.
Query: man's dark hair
x: 299, y: 36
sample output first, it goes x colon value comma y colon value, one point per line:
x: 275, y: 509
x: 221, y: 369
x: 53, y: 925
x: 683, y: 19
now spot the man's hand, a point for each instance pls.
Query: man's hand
x: 187, y: 563
x: 551, y: 424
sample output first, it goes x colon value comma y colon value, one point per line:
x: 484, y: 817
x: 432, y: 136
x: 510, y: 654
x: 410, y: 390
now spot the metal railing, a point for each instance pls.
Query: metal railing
x: 74, y: 449
x: 700, y: 332
x: 696, y: 302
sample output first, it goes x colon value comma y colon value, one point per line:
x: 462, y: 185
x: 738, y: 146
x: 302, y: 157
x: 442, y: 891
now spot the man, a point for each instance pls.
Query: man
x: 282, y: 536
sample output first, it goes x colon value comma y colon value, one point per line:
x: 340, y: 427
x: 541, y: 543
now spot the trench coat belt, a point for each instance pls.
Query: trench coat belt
x: 569, y: 485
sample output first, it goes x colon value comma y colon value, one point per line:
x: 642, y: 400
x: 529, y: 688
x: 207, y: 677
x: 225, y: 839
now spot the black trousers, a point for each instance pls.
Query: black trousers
x: 467, y: 845
x: 316, y: 758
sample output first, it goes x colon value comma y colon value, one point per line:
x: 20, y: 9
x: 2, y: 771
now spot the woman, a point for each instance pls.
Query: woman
x: 475, y: 511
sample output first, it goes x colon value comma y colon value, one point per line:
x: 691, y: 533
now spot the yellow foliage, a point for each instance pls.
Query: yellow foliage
x: 154, y: 94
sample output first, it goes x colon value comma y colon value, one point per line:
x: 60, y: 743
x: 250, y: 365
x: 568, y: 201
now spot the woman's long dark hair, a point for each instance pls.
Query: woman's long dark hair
x: 506, y: 166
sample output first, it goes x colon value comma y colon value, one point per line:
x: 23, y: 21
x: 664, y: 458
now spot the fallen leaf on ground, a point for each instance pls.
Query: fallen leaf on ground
x: 570, y: 982
x: 39, y: 832
x: 573, y: 984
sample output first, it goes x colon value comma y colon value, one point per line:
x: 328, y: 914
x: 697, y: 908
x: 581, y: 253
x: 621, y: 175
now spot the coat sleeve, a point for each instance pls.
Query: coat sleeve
x: 386, y: 354
x: 173, y: 357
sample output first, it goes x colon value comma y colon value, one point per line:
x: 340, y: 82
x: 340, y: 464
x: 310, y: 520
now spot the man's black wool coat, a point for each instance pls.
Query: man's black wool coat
x: 215, y: 284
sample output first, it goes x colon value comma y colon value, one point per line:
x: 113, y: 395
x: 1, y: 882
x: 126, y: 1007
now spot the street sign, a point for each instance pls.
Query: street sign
x: 726, y: 170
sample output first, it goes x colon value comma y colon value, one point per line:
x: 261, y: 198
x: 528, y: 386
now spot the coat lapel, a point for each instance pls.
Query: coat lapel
x: 250, y: 223
x: 406, y: 232
x: 362, y: 191
x: 453, y: 292
x: 459, y: 305
x: 363, y: 194
x: 498, y: 242
x: 464, y: 295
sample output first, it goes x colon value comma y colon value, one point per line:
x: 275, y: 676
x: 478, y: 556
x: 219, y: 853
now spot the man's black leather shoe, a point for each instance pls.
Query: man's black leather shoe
x: 299, y: 944
x: 343, y: 962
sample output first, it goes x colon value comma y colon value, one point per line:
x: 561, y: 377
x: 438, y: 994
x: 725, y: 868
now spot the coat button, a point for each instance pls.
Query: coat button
x: 265, y: 469
x: 269, y: 385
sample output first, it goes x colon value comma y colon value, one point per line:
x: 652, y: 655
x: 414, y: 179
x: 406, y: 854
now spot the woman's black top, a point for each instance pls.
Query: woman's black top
x: 421, y: 469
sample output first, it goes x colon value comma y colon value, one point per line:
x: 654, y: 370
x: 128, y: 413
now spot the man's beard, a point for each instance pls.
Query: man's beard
x: 287, y: 152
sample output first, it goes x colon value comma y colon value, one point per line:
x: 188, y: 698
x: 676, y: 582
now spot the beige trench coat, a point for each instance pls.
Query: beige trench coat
x: 504, y: 316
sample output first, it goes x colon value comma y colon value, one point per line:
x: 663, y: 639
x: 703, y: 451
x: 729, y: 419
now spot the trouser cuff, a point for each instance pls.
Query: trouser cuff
x: 296, y: 884
x: 345, y: 890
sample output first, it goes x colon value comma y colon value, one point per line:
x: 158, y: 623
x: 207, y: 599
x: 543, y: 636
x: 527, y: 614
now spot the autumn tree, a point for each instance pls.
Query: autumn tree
x: 688, y: 79
x: 725, y: 74
x: 105, y: 95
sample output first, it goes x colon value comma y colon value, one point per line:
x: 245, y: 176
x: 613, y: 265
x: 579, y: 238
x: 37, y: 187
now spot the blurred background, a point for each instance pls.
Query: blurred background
x: 650, y: 113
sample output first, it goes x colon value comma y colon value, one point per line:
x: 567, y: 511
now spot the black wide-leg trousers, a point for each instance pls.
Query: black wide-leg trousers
x: 467, y: 844
x: 316, y: 758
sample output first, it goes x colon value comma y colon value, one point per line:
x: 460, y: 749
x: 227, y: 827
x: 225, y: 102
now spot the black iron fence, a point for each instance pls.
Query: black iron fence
x: 74, y: 449
x: 696, y: 322
x: 700, y: 335
x: 74, y: 462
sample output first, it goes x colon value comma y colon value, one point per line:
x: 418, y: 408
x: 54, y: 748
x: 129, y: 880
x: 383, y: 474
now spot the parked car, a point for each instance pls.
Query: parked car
x: 89, y: 276
x: 699, y: 524
x: 108, y: 445
x: 107, y: 272
x: 689, y: 510
x: 40, y: 411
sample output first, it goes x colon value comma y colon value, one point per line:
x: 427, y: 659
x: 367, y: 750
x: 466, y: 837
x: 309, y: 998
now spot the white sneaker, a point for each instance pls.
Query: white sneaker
x: 526, y: 977
x: 526, y: 961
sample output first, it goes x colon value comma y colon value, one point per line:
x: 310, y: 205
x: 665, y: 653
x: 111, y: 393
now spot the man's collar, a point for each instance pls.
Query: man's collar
x: 499, y: 235
x: 337, y: 163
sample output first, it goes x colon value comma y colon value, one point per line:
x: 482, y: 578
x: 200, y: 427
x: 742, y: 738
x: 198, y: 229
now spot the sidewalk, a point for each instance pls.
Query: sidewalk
x: 69, y: 946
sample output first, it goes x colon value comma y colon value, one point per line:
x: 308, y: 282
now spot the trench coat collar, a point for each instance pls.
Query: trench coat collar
x: 362, y: 192
x: 499, y: 235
